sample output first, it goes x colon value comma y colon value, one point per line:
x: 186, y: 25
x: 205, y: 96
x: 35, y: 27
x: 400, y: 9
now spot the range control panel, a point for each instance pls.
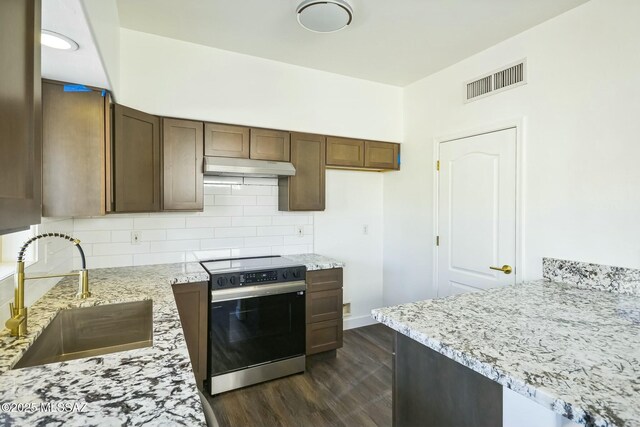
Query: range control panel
x: 259, y: 277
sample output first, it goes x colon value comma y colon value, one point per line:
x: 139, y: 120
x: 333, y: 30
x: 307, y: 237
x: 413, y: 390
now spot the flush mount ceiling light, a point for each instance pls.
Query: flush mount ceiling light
x: 57, y: 41
x: 324, y: 16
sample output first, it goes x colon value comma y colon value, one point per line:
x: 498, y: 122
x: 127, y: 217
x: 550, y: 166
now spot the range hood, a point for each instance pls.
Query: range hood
x: 227, y: 166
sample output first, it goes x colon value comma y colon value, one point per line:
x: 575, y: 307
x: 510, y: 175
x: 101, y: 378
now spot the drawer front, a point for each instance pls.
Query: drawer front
x: 226, y: 140
x: 324, y: 336
x: 324, y: 305
x: 345, y: 152
x: 324, y: 280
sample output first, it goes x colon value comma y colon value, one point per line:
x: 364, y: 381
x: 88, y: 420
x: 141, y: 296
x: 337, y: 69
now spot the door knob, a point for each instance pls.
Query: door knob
x: 506, y: 269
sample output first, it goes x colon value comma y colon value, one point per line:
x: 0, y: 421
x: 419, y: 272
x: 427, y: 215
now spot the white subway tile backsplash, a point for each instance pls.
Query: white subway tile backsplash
x: 103, y: 236
x: 235, y: 232
x: 263, y: 241
x: 208, y: 222
x: 261, y: 211
x: 291, y: 220
x: 235, y: 200
x: 276, y: 230
x: 157, y: 222
x: 251, y: 190
x: 237, y: 221
x: 175, y: 246
x: 237, y: 242
x: 250, y: 221
x: 119, y: 248
x: 217, y: 189
x: 103, y: 223
x: 267, y: 200
x: 190, y: 233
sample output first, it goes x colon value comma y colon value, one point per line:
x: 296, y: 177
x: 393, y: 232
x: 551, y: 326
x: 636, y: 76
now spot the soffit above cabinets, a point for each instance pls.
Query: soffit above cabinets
x: 391, y: 42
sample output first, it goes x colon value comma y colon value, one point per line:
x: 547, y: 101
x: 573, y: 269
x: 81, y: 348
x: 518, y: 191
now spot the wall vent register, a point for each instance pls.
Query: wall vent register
x: 500, y: 80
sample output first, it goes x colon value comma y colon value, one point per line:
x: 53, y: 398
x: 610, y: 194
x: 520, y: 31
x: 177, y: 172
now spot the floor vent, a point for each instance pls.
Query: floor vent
x: 500, y: 80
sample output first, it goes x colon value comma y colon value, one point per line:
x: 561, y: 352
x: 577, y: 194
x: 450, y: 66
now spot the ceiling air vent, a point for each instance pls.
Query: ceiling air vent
x: 498, y: 81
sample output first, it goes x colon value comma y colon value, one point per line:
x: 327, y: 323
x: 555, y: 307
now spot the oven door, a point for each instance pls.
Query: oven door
x: 254, y: 325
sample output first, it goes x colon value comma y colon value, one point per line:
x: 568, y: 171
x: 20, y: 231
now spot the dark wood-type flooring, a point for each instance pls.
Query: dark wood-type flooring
x: 352, y: 389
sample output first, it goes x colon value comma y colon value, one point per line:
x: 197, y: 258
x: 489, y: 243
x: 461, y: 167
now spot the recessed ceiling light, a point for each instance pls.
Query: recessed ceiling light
x: 324, y: 16
x: 57, y: 41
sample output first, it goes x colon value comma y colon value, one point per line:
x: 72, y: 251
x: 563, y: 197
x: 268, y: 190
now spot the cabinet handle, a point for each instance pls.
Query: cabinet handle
x: 506, y: 269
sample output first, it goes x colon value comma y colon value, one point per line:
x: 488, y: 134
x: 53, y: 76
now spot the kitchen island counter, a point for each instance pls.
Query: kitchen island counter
x: 575, y: 351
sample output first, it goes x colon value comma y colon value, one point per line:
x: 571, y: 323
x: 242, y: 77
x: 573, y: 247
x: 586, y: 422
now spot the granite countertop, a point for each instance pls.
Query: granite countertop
x: 148, y: 385
x: 574, y: 350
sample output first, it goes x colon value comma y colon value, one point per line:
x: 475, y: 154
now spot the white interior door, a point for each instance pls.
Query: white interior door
x: 477, y: 212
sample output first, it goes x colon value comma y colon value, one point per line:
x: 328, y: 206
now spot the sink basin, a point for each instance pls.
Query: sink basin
x: 92, y: 331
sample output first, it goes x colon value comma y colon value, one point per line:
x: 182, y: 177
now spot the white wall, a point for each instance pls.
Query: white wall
x: 237, y: 221
x: 54, y: 256
x: 354, y: 200
x: 175, y: 78
x: 104, y: 22
x: 581, y: 145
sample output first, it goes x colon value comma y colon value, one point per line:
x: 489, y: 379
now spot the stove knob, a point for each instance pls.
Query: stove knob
x: 297, y: 274
x: 285, y: 274
x: 222, y: 281
x: 233, y: 280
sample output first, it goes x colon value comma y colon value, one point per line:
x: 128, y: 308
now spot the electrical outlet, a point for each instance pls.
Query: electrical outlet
x: 135, y: 237
x: 299, y: 230
x: 346, y: 309
x: 365, y: 229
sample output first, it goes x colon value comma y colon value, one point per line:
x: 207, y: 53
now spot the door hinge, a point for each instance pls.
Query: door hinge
x: 437, y: 240
x: 438, y: 165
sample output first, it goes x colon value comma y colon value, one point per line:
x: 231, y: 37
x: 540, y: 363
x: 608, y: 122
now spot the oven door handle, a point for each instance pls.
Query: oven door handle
x: 245, y: 292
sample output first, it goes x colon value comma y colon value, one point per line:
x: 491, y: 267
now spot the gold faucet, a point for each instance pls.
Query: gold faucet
x: 17, y: 324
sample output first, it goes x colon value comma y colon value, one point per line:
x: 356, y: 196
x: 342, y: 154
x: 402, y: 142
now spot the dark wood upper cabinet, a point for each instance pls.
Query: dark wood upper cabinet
x: 136, y: 146
x: 182, y: 157
x: 381, y: 155
x: 75, y: 147
x: 226, y: 140
x: 345, y: 152
x: 269, y: 145
x: 306, y: 190
x: 20, y: 115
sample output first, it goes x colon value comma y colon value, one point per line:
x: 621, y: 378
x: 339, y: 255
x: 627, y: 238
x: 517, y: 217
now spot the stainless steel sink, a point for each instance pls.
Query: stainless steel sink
x: 92, y: 331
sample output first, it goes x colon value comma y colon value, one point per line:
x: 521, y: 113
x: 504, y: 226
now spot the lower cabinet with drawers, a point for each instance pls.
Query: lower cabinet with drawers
x: 324, y: 310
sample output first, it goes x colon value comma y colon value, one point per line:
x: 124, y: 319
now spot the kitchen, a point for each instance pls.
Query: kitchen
x: 369, y: 140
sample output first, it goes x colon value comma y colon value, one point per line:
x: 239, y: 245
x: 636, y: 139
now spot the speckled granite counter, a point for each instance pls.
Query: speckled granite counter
x: 574, y: 350
x: 315, y: 261
x: 148, y: 386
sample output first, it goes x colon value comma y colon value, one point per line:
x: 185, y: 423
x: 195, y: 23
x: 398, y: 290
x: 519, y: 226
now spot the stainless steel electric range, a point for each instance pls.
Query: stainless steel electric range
x: 256, y: 321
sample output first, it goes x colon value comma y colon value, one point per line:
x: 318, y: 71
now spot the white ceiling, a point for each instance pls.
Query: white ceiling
x: 81, y: 66
x: 390, y: 41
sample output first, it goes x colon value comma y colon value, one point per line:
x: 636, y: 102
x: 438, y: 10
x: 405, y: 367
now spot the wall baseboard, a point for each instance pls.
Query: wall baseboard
x: 358, y: 322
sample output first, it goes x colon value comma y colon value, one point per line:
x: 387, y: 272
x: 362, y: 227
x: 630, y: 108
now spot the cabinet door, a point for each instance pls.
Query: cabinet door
x: 73, y: 158
x: 182, y: 157
x: 20, y: 115
x: 324, y: 336
x: 136, y: 161
x: 345, y: 152
x: 226, y: 140
x: 306, y: 190
x: 192, y: 303
x: 381, y: 155
x: 269, y: 145
x: 324, y: 305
